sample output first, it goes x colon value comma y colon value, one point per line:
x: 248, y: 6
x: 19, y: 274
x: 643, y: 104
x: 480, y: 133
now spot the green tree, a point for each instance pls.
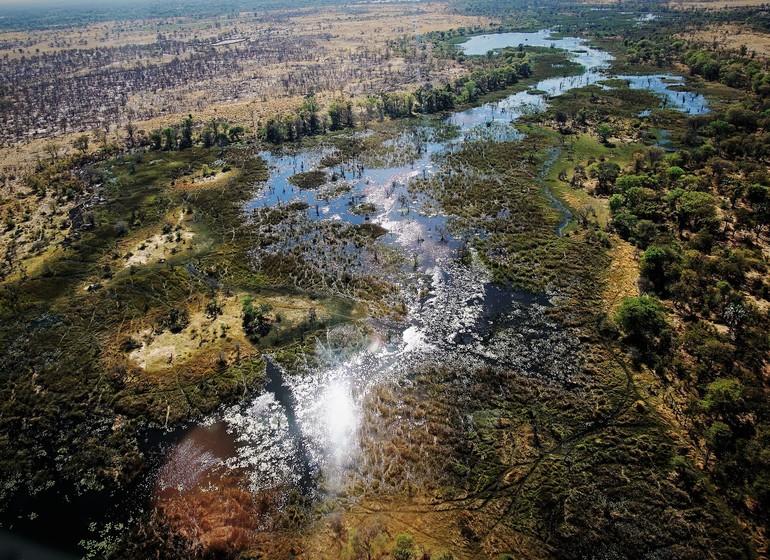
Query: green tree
x: 660, y: 266
x: 235, y: 133
x: 561, y: 119
x: 693, y: 209
x: 605, y: 173
x: 186, y: 141
x: 761, y: 490
x: 207, y: 137
x: 629, y: 181
x: 309, y: 114
x: 723, y: 397
x: 274, y: 130
x: 156, y: 139
x: 470, y: 91
x: 719, y: 437
x: 256, y: 322
x: 81, y: 143
x: 404, y: 548
x: 169, y: 138
x: 757, y: 194
x: 643, y: 322
x: 340, y: 114
x: 605, y: 132
x: 674, y: 173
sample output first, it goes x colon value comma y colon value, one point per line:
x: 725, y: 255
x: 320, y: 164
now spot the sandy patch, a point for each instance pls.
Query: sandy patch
x: 203, y: 334
x: 203, y: 182
x: 162, y: 245
x: 206, y: 339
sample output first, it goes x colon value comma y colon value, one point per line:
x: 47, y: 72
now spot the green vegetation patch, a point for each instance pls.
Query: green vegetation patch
x: 309, y: 179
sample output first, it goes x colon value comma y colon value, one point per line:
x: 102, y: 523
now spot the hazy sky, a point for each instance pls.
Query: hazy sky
x: 44, y: 3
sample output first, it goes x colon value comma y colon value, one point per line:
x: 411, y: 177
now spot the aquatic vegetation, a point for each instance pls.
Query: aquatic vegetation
x: 399, y: 338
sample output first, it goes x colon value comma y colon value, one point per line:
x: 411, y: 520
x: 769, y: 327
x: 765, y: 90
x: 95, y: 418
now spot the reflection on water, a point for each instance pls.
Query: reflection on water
x: 341, y: 417
x: 195, y: 461
x: 202, y: 498
x: 662, y: 85
x: 301, y: 433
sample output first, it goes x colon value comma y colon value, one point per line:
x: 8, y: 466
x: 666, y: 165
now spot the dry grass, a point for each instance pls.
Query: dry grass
x: 732, y: 37
x: 218, y: 179
x: 197, y: 347
x: 162, y: 351
x: 155, y: 246
x: 622, y: 275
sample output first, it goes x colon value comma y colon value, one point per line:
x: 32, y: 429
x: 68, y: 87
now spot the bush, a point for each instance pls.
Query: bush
x: 121, y: 228
x: 643, y: 321
x: 174, y: 320
x: 723, y: 396
x: 660, y: 266
x: 719, y: 437
x: 256, y: 322
x: 404, y: 548
x: 761, y: 490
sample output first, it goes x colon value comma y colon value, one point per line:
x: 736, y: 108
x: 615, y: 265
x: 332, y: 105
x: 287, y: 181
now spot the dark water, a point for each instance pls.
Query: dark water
x: 62, y: 516
x: 277, y: 385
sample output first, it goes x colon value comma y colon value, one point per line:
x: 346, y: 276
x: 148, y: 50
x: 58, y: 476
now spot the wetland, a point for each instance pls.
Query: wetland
x: 401, y: 337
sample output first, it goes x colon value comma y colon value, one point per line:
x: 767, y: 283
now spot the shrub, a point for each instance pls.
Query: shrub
x: 404, y: 548
x: 174, y: 320
x: 643, y: 321
x: 723, y: 396
x: 719, y: 437
x: 256, y: 322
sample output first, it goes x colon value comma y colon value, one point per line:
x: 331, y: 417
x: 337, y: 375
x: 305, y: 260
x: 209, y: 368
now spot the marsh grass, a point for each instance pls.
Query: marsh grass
x: 59, y: 367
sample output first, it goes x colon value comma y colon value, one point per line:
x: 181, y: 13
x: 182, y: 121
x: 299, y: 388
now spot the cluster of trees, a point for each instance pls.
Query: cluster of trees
x: 495, y: 73
x: 509, y: 67
x: 735, y: 68
x: 309, y: 121
x: 701, y: 221
x: 488, y: 74
x: 257, y: 321
x: 216, y: 132
x: 657, y: 53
